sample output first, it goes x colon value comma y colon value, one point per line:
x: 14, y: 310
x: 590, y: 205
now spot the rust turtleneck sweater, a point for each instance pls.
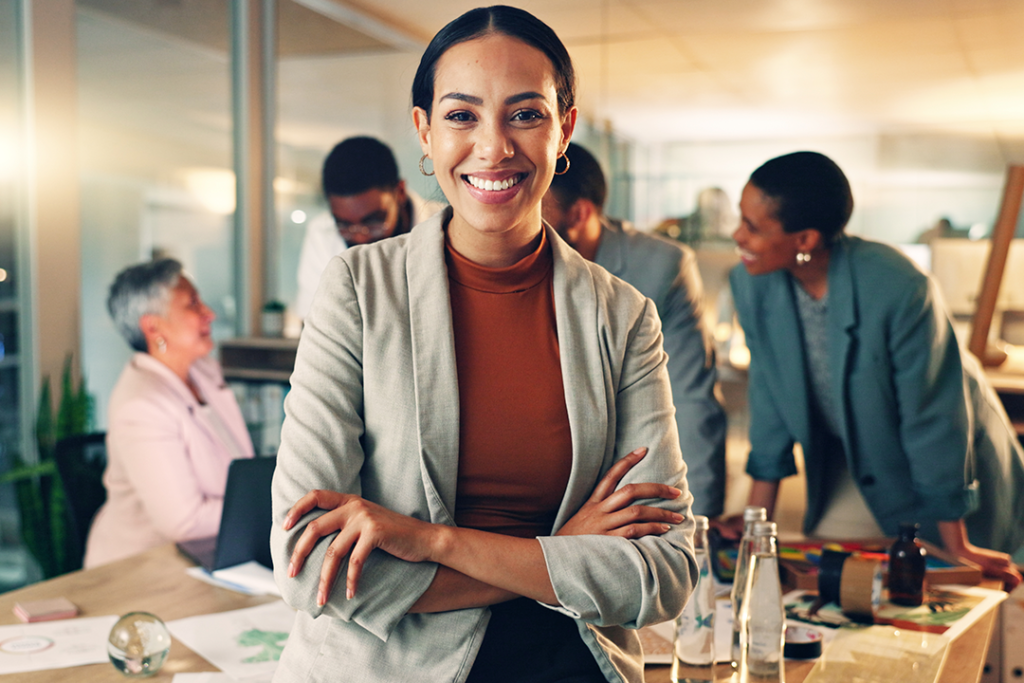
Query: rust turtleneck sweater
x: 515, y: 448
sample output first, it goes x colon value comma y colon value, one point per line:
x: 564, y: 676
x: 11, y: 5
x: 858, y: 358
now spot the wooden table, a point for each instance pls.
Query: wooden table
x: 155, y: 581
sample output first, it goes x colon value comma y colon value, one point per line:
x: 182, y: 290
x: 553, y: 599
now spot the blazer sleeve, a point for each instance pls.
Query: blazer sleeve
x: 322, y: 448
x: 606, y: 580
x: 692, y: 373
x: 771, y: 444
x: 929, y: 381
x: 146, y: 437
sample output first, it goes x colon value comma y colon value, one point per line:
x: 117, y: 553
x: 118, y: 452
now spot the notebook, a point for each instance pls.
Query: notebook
x: 245, y: 522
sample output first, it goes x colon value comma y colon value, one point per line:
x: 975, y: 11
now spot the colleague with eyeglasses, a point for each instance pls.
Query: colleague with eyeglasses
x: 368, y: 201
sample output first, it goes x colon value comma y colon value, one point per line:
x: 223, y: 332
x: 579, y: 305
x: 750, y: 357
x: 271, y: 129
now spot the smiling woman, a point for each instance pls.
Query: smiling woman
x: 475, y: 412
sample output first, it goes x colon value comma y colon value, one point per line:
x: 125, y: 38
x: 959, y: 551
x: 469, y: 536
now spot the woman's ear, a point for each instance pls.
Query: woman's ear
x: 808, y: 240
x: 568, y: 126
x: 150, y: 326
x: 421, y: 120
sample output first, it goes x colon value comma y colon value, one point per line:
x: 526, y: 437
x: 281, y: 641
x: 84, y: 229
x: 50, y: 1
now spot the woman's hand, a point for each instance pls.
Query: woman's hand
x: 993, y: 564
x: 362, y: 526
x: 729, y: 528
x: 612, y: 513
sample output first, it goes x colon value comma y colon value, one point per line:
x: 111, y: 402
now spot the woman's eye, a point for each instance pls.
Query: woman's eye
x: 527, y: 115
x: 459, y: 116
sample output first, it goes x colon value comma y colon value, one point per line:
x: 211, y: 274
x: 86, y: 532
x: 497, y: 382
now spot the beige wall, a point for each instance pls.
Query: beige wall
x: 54, y: 183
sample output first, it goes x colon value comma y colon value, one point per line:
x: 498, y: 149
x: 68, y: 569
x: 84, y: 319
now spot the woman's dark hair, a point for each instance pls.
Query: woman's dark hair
x: 810, y: 190
x: 503, y: 20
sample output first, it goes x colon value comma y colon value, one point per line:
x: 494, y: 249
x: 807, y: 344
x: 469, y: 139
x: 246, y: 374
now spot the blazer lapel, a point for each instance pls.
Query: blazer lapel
x: 787, y: 348
x: 579, y: 345
x: 842, y: 323
x: 435, y: 375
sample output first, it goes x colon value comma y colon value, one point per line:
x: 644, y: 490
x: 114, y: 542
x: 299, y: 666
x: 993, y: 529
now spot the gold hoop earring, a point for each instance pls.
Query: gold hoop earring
x: 803, y: 258
x: 423, y: 170
x: 562, y: 156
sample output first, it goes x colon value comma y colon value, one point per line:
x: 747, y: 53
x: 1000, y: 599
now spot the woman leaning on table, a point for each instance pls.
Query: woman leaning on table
x: 173, y: 426
x: 853, y: 356
x: 466, y: 399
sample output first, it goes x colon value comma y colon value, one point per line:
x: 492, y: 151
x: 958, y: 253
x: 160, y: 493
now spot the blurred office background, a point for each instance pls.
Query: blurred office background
x: 196, y: 128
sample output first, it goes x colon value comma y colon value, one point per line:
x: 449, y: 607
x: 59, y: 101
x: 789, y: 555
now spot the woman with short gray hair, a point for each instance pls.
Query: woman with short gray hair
x: 173, y: 424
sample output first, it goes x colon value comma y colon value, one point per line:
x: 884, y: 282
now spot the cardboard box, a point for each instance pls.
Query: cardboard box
x: 802, y: 575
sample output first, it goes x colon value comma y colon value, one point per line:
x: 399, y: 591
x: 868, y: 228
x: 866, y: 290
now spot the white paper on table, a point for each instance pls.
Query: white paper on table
x: 54, y: 644
x: 251, y: 574
x: 246, y: 588
x: 244, y: 643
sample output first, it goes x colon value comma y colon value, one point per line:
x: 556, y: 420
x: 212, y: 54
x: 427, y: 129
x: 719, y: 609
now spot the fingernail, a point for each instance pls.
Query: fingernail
x: 677, y: 518
x: 665, y: 527
x: 349, y: 593
x: 291, y: 570
x: 675, y: 492
x: 321, y: 599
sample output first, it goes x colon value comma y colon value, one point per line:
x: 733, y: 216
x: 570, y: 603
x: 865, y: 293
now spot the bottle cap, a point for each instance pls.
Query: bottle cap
x: 909, y: 527
x: 753, y: 513
x: 765, y: 529
x: 701, y: 523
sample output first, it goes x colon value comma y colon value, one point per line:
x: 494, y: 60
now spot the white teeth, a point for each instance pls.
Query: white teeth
x: 491, y: 185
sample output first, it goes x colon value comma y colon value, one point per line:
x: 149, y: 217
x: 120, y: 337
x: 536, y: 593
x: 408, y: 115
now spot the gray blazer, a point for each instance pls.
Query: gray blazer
x: 373, y: 410
x: 665, y: 271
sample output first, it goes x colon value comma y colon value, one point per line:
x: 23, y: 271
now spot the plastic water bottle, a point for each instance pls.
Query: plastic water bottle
x: 763, y: 614
x: 751, y: 515
x: 694, y: 648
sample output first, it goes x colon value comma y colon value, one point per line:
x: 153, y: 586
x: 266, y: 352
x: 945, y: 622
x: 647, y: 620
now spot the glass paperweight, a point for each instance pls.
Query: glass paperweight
x: 138, y: 644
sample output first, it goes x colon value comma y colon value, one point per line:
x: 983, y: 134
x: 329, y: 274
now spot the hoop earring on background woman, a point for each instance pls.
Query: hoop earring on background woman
x: 423, y: 170
x: 161, y: 345
x: 562, y: 156
x: 803, y: 258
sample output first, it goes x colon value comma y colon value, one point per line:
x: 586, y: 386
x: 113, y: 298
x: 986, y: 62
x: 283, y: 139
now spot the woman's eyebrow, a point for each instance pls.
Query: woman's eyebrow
x: 473, y: 99
x: 462, y: 97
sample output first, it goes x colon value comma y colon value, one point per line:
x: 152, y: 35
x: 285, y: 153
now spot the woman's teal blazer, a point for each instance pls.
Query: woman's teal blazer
x: 925, y: 437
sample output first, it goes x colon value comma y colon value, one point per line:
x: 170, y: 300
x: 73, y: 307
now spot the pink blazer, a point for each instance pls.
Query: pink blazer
x: 166, y: 464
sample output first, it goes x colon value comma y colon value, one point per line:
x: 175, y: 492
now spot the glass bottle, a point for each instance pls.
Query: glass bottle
x: 763, y: 615
x: 751, y: 514
x: 907, y: 568
x: 694, y: 648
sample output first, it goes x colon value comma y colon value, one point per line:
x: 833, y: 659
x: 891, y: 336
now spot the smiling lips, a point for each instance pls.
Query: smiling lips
x: 493, y: 185
x: 745, y: 255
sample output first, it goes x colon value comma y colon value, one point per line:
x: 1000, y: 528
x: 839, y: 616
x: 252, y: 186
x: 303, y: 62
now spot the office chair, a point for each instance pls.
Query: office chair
x: 81, y: 460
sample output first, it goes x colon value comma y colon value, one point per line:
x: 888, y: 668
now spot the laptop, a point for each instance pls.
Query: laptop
x: 245, y: 522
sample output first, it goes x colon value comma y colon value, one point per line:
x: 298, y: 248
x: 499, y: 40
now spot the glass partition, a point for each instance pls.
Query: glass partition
x: 155, y: 152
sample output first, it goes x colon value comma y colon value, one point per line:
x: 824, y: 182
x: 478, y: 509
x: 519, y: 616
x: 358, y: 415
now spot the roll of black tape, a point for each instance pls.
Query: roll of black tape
x: 830, y: 574
x: 803, y: 642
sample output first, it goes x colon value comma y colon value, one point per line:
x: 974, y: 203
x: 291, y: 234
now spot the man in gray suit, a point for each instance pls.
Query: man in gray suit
x: 666, y: 272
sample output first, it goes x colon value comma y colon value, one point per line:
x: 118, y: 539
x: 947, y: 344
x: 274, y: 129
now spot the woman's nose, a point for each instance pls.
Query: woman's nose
x: 493, y: 142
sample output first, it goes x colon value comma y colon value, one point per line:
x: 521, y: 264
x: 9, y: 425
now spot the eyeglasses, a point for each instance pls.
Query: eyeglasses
x: 375, y: 228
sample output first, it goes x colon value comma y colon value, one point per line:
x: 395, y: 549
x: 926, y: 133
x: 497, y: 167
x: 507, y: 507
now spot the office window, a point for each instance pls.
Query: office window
x: 155, y: 152
x: 12, y: 565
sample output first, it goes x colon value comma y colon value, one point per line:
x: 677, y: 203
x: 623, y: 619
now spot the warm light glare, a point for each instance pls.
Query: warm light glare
x: 3, y: 275
x: 8, y: 155
x: 213, y: 187
x: 298, y: 216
